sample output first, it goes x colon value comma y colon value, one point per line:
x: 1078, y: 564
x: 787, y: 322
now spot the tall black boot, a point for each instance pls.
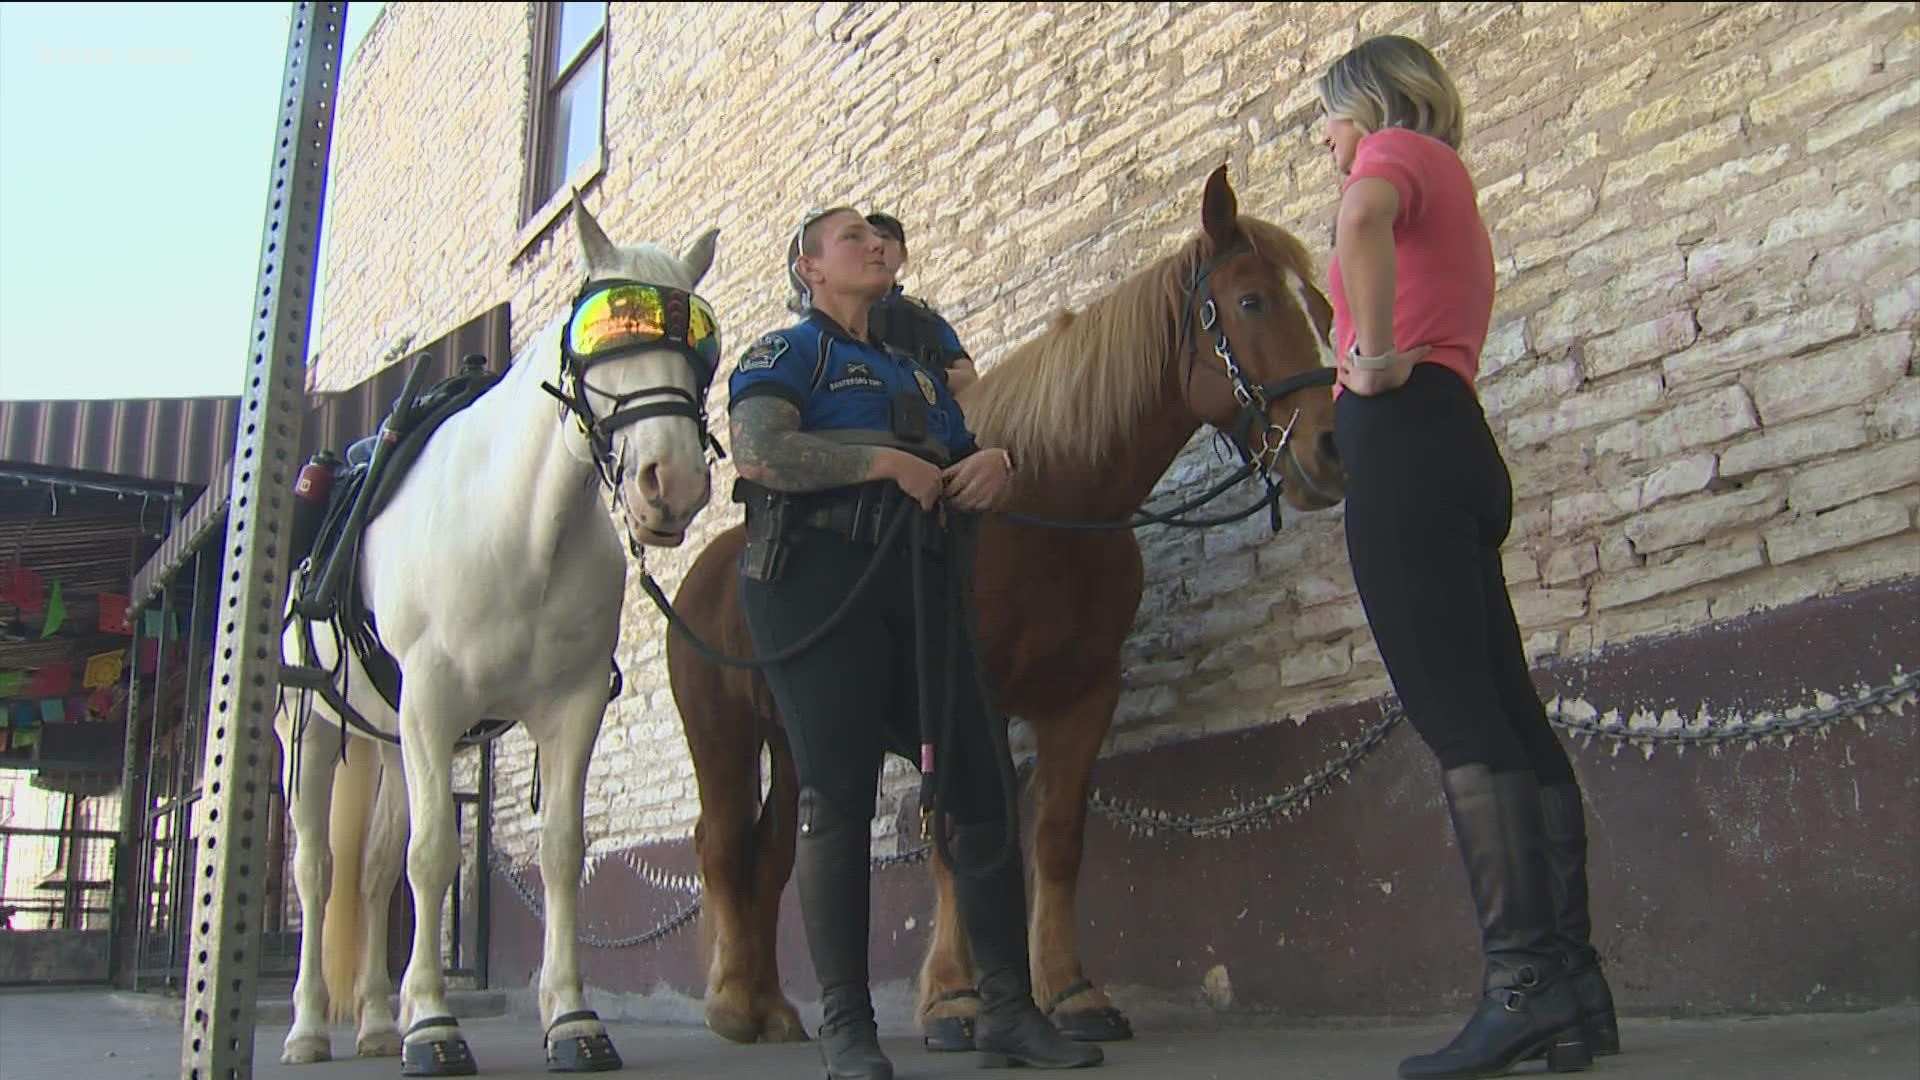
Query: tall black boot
x: 1565, y: 821
x: 831, y: 870
x: 1010, y: 1029
x: 1527, y: 1007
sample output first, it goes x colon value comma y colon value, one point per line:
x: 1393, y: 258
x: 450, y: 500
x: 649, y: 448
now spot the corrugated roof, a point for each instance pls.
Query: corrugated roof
x: 166, y: 440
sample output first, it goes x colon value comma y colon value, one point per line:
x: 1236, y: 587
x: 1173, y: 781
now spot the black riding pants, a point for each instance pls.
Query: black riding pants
x: 1429, y: 503
x: 854, y: 696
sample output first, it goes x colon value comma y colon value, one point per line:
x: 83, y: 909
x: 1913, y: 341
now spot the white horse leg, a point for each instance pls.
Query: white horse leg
x: 432, y: 855
x: 386, y: 845
x: 308, y: 782
x: 565, y: 752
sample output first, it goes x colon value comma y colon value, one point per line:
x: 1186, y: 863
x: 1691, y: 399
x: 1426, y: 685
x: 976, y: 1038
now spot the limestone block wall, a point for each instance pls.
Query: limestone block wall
x: 1701, y: 364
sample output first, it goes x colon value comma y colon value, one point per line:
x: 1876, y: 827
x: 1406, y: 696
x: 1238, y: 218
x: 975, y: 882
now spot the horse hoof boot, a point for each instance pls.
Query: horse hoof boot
x: 949, y: 1034
x: 1106, y: 1024
x: 1094, y: 1025
x: 580, y: 1053
x: 437, y: 1057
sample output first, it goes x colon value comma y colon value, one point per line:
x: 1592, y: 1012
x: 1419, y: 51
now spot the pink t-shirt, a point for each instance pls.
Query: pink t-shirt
x: 1443, y: 258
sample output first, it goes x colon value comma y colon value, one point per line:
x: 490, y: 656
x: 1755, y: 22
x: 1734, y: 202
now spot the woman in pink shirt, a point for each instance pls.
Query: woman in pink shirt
x: 1429, y: 503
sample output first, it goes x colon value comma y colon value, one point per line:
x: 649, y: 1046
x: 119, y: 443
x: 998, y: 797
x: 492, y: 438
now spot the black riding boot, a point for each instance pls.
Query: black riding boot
x: 1528, y: 1007
x: 1566, y: 831
x: 1010, y: 1029
x: 831, y: 871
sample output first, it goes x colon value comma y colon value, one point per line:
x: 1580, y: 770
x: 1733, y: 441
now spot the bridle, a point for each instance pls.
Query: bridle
x: 1253, y: 399
x: 668, y: 318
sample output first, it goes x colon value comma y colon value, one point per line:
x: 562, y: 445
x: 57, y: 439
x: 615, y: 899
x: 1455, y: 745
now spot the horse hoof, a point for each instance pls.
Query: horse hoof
x: 306, y: 1050
x: 949, y: 1034
x: 437, y: 1057
x: 733, y: 1025
x: 378, y: 1044
x: 1094, y: 1025
x: 582, y: 1053
x: 782, y: 1025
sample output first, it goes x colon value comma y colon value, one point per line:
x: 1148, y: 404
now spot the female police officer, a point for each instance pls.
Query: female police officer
x: 831, y: 433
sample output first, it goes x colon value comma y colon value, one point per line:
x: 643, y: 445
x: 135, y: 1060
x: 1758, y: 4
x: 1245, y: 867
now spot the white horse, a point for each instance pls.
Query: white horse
x: 495, y: 575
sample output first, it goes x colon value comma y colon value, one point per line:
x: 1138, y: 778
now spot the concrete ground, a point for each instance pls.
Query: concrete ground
x: 95, y: 1034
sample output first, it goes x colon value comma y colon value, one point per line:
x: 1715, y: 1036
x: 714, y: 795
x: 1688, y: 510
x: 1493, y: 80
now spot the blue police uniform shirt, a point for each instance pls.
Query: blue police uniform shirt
x: 840, y: 383
x: 950, y: 345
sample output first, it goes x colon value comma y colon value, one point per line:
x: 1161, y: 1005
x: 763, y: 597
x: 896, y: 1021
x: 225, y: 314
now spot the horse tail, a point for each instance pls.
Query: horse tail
x: 341, y: 947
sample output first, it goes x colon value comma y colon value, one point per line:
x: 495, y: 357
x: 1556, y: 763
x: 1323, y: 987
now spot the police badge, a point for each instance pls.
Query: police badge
x: 764, y: 354
x: 926, y: 387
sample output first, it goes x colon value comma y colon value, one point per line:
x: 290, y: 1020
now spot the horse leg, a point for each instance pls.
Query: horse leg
x: 724, y: 839
x: 1067, y: 745
x: 773, y: 866
x: 948, y: 999
x: 576, y: 1039
x: 309, y: 788
x: 386, y: 841
x: 432, y: 1044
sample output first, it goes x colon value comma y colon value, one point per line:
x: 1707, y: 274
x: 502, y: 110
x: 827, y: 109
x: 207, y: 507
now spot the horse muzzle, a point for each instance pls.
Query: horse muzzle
x: 662, y: 498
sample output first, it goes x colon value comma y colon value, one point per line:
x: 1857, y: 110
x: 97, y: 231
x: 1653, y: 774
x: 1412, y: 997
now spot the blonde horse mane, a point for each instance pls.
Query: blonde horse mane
x: 1078, y: 391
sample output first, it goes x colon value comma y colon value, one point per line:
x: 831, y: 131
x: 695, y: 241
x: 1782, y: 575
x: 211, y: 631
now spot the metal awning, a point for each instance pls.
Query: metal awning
x: 182, y: 441
x: 333, y: 421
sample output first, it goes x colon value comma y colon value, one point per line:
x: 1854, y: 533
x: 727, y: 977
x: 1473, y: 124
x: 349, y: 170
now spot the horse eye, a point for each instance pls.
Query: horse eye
x: 1252, y: 302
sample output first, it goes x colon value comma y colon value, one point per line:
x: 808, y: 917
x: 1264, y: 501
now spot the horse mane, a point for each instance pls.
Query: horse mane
x: 1078, y: 391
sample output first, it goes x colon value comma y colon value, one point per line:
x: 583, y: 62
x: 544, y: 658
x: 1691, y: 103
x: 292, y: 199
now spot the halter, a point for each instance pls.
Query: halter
x: 1254, y: 399
x: 615, y: 318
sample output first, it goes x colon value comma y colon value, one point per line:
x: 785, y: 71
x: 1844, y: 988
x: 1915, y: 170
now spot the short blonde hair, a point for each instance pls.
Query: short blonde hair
x: 1393, y: 81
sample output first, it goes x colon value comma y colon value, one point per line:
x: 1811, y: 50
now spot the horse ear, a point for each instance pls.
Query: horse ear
x: 699, y: 257
x: 597, y: 251
x: 1219, y: 210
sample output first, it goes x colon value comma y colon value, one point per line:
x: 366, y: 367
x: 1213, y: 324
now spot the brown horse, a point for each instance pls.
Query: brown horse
x: 1094, y: 412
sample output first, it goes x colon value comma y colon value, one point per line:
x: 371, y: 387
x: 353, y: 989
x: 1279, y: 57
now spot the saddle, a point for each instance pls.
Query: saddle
x: 330, y: 523
x: 328, y: 528
x: 364, y: 483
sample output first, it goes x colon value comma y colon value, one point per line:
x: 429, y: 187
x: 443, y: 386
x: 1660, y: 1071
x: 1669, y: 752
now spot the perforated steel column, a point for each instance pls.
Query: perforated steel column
x: 230, y: 828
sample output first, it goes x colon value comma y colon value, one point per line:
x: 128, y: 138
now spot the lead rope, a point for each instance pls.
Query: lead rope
x: 962, y: 631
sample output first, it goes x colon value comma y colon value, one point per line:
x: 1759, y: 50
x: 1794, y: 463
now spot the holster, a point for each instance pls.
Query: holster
x: 767, y: 522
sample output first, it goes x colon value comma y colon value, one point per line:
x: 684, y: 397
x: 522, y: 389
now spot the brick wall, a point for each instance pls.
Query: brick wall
x: 1701, y: 363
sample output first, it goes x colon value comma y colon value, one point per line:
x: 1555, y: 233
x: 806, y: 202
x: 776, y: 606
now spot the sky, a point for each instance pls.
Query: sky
x: 135, y: 147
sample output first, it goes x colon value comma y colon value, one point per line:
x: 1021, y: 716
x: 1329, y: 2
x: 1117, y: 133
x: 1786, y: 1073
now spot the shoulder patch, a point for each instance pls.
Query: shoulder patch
x: 764, y: 353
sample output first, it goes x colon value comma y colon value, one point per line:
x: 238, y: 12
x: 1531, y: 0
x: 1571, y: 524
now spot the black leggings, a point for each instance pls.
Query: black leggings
x: 854, y: 697
x: 1429, y: 502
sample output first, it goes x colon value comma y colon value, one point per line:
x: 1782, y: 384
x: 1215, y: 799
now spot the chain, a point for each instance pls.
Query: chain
x: 679, y: 919
x: 1581, y: 721
x: 1284, y: 803
x: 1645, y: 732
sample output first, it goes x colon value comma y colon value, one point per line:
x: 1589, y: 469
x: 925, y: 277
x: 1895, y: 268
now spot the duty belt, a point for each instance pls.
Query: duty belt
x: 859, y: 514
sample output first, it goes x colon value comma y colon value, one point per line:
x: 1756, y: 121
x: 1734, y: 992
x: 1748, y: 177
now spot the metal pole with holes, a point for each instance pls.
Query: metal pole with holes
x: 230, y: 832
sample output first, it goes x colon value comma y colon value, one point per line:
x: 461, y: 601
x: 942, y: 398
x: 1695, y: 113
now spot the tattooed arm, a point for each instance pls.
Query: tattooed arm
x: 770, y: 449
